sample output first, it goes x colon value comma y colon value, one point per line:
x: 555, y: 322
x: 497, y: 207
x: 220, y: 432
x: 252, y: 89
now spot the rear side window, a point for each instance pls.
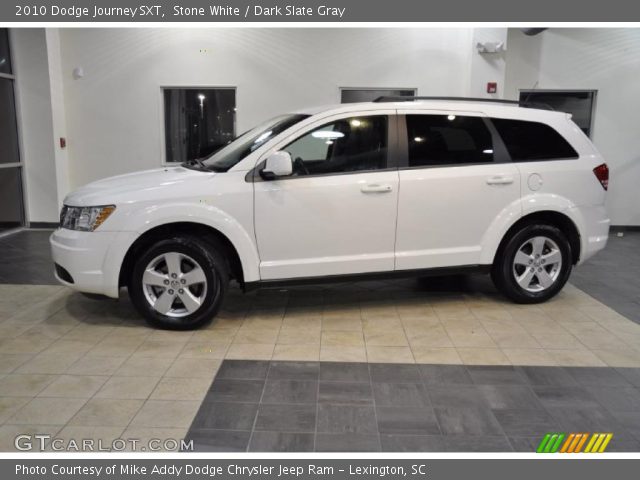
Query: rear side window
x: 531, y: 141
x: 448, y: 140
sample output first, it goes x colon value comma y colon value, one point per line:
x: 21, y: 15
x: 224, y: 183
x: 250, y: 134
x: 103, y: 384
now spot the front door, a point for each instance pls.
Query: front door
x: 336, y: 213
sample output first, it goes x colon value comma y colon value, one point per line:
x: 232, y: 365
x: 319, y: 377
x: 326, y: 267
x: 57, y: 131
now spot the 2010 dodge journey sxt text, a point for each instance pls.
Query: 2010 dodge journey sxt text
x: 392, y: 187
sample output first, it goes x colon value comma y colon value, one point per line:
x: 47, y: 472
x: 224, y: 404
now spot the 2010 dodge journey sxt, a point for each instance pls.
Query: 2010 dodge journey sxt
x: 393, y: 187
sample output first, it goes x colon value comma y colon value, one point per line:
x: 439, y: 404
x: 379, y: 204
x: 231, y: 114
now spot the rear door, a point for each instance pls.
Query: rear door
x: 455, y: 181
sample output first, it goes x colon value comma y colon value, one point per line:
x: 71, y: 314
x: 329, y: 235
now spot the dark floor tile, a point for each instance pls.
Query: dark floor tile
x: 286, y: 418
x: 394, y: 373
x: 603, y: 376
x: 334, y: 418
x: 290, y: 391
x: 207, y: 440
x: 519, y: 422
x: 232, y: 390
x: 407, y: 421
x: 554, y: 396
x: 525, y: 444
x: 631, y: 374
x: 484, y: 443
x: 344, y: 372
x: 345, y: 393
x: 281, y: 442
x: 347, y: 442
x: 445, y: 374
x: 467, y: 421
x: 225, y: 416
x: 624, y: 399
x: 547, y: 376
x: 510, y: 397
x: 623, y: 445
x: 457, y: 396
x: 401, y: 395
x: 412, y: 443
x: 243, y: 369
x: 589, y: 420
x: 495, y: 375
x: 294, y: 370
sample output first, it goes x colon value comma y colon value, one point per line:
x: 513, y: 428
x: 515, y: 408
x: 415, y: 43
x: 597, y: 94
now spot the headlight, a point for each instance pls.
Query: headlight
x: 85, y: 219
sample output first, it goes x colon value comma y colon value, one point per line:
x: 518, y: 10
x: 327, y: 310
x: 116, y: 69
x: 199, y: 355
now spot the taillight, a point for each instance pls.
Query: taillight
x: 602, y: 174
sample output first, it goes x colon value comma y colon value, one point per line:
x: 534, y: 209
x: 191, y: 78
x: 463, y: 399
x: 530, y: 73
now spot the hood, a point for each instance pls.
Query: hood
x: 138, y: 186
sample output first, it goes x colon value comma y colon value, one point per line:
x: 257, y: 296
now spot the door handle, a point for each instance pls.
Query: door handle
x: 375, y: 188
x: 500, y: 180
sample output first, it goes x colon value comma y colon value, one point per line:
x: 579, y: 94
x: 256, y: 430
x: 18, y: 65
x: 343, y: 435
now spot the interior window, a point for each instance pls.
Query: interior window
x: 448, y: 140
x: 531, y: 141
x: 347, y: 145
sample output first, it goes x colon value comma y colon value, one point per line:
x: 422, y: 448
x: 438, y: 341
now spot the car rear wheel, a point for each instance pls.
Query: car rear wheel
x: 179, y: 283
x: 533, y: 265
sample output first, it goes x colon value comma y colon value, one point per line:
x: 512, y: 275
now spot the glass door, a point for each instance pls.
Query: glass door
x: 11, y: 198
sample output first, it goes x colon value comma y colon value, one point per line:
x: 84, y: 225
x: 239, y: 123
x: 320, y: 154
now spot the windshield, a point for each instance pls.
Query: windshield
x: 229, y: 155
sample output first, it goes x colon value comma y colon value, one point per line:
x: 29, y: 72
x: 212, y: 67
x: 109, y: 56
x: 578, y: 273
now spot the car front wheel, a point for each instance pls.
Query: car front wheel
x: 533, y: 265
x: 179, y: 283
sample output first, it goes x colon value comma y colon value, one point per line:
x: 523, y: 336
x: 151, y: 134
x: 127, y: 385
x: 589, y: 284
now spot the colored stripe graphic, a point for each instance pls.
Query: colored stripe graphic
x: 574, y: 442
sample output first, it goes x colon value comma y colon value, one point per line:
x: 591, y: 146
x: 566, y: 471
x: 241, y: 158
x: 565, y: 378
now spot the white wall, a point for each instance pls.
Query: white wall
x: 114, y: 113
x: 607, y: 60
x: 29, y: 51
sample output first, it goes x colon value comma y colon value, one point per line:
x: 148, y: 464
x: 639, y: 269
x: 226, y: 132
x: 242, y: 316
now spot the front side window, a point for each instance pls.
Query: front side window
x: 532, y: 141
x: 346, y: 145
x: 438, y: 140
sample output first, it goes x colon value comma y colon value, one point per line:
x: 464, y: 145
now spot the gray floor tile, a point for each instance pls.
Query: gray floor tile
x: 495, y: 375
x: 603, y: 376
x: 401, y: 395
x: 525, y: 444
x: 290, y: 391
x: 589, y: 420
x: 631, y: 374
x: 232, y: 390
x: 407, y: 421
x: 554, y: 396
x: 445, y: 374
x: 510, y: 397
x: 412, y: 443
x: 547, y: 376
x: 457, y: 396
x: 394, y: 373
x: 631, y: 422
x: 624, y: 399
x: 344, y: 372
x: 286, y: 418
x: 281, y: 442
x: 347, y: 442
x: 345, y: 393
x: 294, y: 370
x: 467, y: 421
x: 357, y: 419
x: 526, y: 422
x: 208, y: 440
x: 225, y: 416
x: 484, y: 443
x: 243, y: 369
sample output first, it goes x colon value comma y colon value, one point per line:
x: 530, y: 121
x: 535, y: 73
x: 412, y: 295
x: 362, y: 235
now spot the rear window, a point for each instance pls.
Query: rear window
x: 531, y: 141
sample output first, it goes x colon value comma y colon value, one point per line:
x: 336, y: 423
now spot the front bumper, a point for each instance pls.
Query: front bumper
x: 92, y: 260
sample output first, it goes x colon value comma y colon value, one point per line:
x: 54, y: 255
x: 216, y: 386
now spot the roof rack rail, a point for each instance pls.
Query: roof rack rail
x: 524, y: 104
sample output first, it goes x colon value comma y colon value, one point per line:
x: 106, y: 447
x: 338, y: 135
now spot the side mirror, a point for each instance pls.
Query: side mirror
x: 278, y: 164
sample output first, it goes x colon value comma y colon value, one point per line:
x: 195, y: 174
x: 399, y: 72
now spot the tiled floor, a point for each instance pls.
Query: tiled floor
x: 78, y: 367
x: 327, y: 406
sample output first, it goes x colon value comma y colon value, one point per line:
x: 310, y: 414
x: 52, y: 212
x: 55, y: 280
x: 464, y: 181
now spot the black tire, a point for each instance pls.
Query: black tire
x: 216, y: 271
x: 504, y: 277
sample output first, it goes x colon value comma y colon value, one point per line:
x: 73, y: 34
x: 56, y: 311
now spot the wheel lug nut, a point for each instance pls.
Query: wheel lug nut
x: 540, y: 269
x: 173, y: 275
x: 170, y: 292
x: 166, y: 282
x: 183, y: 281
x: 181, y: 291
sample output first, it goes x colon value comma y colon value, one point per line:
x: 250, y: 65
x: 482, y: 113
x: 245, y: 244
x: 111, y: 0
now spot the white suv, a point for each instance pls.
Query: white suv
x: 398, y: 186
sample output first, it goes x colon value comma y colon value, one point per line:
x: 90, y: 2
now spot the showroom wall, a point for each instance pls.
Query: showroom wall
x: 114, y: 112
x: 607, y: 60
x: 35, y: 123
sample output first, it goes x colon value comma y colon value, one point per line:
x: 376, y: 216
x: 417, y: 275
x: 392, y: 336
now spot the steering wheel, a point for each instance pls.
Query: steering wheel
x: 299, y: 166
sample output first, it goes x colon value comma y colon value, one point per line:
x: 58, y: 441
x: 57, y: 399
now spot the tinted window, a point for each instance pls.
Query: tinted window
x: 448, y: 140
x: 529, y: 141
x: 348, y: 145
x: 5, y: 58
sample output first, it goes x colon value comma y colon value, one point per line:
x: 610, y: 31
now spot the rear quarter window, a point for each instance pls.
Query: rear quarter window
x: 533, y: 141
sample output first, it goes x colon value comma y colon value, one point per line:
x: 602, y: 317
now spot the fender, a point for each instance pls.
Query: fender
x: 540, y: 202
x: 141, y: 220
